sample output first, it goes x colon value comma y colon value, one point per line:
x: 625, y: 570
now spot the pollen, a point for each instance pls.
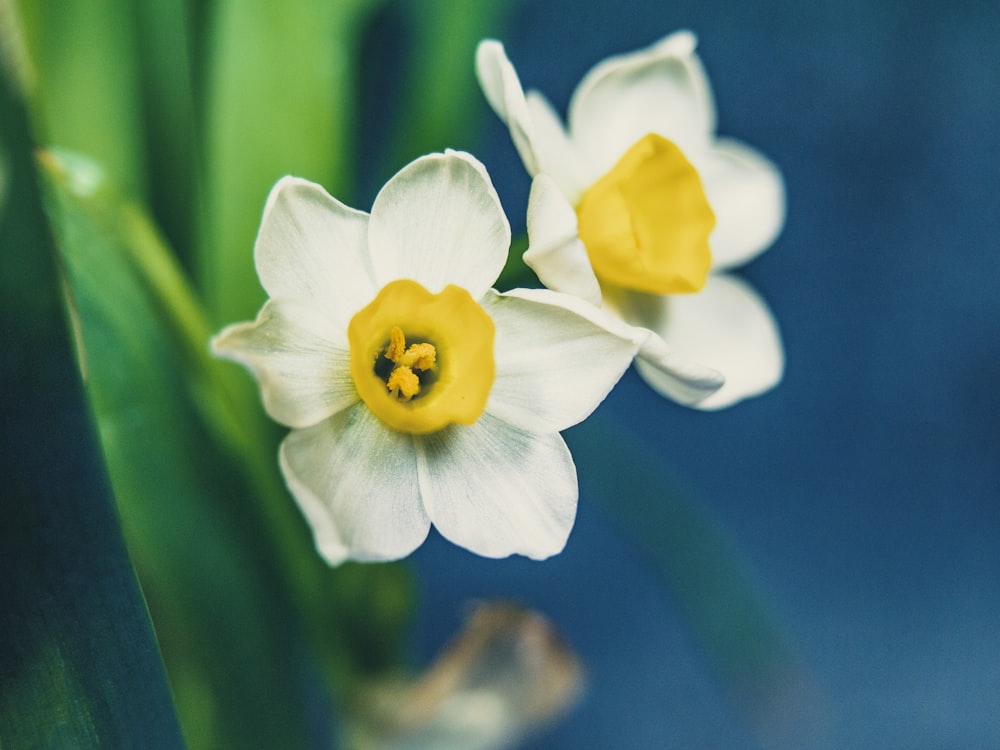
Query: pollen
x: 419, y: 357
x: 397, y: 344
x: 403, y: 382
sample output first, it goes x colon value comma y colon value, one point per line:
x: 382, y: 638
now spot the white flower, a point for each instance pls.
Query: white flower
x: 644, y: 174
x: 416, y: 393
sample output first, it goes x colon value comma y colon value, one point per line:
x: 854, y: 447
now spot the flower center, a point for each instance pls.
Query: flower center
x: 443, y: 376
x: 407, y: 365
x: 646, y: 222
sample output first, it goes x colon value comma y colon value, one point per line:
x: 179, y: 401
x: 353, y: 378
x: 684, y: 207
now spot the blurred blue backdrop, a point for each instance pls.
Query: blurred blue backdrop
x: 861, y: 496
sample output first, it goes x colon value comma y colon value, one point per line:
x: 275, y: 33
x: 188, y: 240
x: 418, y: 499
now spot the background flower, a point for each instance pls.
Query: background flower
x: 662, y: 90
x: 860, y: 494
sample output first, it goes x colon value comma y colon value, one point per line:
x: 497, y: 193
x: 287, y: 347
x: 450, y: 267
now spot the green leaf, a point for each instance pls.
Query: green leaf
x: 85, y: 95
x: 441, y: 99
x: 729, y: 616
x: 225, y: 558
x: 79, y: 666
x: 280, y: 100
x: 166, y: 64
x: 230, y: 634
x: 203, y: 474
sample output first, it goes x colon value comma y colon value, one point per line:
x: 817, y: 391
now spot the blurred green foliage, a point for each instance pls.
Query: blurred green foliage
x: 280, y: 99
x: 205, y: 559
x: 714, y: 588
x: 79, y: 665
x: 163, y: 126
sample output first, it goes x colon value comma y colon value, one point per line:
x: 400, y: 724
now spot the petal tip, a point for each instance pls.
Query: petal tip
x: 333, y: 555
x: 681, y: 43
x: 221, y: 344
x: 488, y: 49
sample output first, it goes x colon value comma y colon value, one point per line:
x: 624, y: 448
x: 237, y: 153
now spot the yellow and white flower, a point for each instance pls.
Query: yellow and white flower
x: 416, y: 394
x: 639, y: 206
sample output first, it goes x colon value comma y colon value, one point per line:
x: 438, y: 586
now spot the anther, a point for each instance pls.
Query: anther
x: 419, y: 357
x: 403, y: 383
x: 397, y: 344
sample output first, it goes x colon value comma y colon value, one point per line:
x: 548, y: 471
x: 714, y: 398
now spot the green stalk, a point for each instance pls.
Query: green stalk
x: 280, y: 100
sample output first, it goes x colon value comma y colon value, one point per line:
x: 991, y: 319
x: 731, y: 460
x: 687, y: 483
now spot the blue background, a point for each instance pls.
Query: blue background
x: 861, y: 496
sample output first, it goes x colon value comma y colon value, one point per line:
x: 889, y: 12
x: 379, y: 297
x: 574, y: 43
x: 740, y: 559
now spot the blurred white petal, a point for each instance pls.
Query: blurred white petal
x: 506, y: 673
x: 729, y: 327
x: 677, y: 377
x: 503, y: 91
x: 555, y: 252
x: 747, y: 194
x: 557, y: 155
x: 662, y: 89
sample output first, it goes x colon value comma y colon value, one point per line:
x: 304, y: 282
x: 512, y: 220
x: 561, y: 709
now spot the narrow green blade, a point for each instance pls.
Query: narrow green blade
x: 166, y: 42
x: 440, y: 95
x: 79, y: 666
x: 730, y: 618
x: 230, y: 635
x: 85, y: 94
x: 236, y: 586
x: 280, y: 99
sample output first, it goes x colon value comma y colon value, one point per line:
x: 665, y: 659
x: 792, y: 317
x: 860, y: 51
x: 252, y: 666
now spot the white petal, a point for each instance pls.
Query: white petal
x: 439, y: 221
x: 729, y: 327
x: 503, y: 91
x: 555, y: 252
x: 662, y: 89
x: 356, y: 483
x: 557, y: 155
x: 748, y: 196
x: 675, y: 377
x: 554, y: 366
x: 312, y: 248
x: 301, y: 360
x: 498, y: 490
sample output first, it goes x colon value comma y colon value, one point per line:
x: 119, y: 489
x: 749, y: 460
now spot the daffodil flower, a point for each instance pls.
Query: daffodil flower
x: 641, y: 208
x: 417, y: 394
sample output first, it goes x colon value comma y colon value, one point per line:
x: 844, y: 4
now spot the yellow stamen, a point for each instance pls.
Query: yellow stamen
x: 403, y: 383
x: 646, y: 222
x: 397, y: 344
x: 423, y: 387
x: 419, y: 357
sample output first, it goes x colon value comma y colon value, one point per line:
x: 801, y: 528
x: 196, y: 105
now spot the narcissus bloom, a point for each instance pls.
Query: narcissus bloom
x: 643, y: 209
x: 416, y: 394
